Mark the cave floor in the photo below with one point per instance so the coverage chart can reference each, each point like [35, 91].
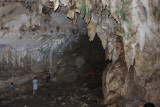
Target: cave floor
[84, 92]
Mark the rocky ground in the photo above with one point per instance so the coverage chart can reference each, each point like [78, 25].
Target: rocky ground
[84, 92]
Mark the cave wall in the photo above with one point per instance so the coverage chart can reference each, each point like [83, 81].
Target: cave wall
[138, 23]
[140, 31]
[34, 38]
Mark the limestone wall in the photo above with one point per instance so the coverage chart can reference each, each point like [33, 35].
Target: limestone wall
[138, 23]
[32, 38]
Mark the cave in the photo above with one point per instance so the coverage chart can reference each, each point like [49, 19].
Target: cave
[79, 53]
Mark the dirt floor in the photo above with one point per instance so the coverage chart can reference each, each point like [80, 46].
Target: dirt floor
[84, 92]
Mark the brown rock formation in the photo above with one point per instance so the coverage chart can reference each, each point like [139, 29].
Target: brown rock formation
[134, 74]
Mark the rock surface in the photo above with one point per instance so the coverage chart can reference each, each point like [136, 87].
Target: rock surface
[32, 40]
[80, 93]
[137, 22]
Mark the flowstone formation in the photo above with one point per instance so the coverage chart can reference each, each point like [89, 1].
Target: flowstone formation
[34, 38]
[129, 31]
[138, 23]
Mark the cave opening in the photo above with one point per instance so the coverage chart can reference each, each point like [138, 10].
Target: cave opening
[99, 63]
[38, 37]
[95, 62]
[36, 40]
[71, 88]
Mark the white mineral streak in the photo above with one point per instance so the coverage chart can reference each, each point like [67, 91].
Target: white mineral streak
[13, 57]
[51, 56]
[64, 2]
[136, 21]
[40, 8]
[134, 52]
[104, 2]
[54, 46]
[56, 4]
